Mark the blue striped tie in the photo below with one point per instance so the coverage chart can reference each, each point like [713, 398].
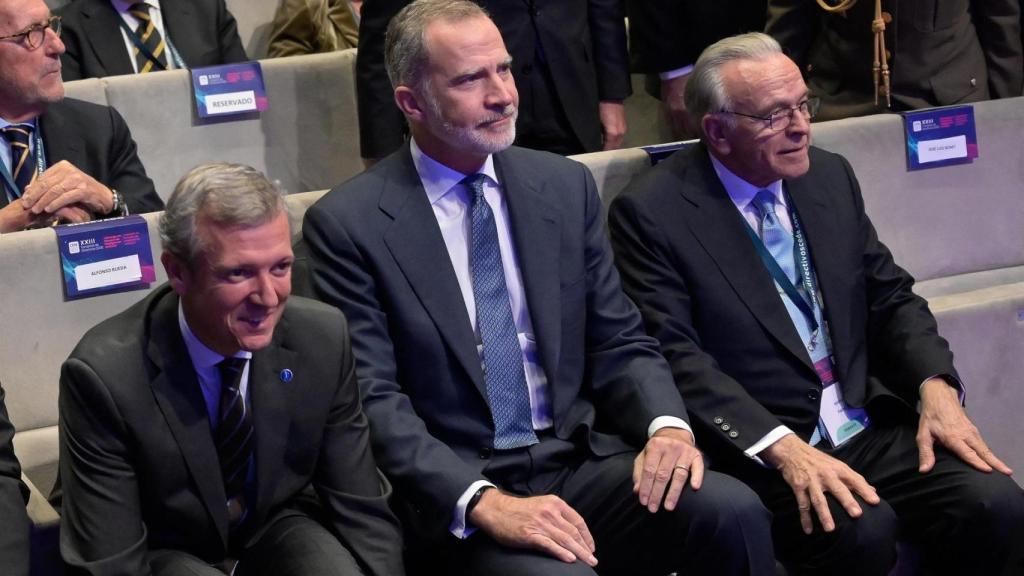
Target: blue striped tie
[507, 392]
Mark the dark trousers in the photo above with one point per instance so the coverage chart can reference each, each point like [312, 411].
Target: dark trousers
[721, 529]
[961, 520]
[293, 545]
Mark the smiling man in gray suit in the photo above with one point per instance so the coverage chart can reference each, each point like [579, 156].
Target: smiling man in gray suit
[528, 423]
[216, 425]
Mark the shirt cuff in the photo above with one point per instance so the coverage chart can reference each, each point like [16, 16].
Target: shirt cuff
[673, 74]
[669, 422]
[459, 526]
[951, 380]
[770, 438]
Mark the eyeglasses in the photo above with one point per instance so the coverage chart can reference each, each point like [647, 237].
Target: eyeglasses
[33, 35]
[779, 119]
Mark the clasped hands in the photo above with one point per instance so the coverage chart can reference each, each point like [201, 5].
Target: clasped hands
[547, 523]
[811, 473]
[62, 193]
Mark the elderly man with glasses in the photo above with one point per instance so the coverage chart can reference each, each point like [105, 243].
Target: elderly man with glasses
[810, 369]
[61, 160]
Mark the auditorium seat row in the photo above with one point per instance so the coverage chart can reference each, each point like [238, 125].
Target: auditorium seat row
[957, 229]
[307, 138]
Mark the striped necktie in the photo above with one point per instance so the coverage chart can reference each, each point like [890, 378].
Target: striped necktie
[504, 375]
[23, 166]
[234, 437]
[150, 38]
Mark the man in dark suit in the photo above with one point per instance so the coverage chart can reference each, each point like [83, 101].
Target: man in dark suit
[217, 421]
[514, 399]
[569, 60]
[667, 36]
[14, 544]
[62, 160]
[940, 52]
[797, 342]
[103, 37]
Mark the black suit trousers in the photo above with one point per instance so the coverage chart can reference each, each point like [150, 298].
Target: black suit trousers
[720, 529]
[961, 520]
[294, 545]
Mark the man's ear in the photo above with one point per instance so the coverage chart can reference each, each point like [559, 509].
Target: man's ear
[409, 103]
[178, 273]
[715, 129]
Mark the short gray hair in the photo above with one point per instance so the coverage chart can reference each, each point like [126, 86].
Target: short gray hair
[405, 45]
[705, 91]
[226, 194]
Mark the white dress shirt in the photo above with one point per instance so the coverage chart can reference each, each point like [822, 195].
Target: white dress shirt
[451, 201]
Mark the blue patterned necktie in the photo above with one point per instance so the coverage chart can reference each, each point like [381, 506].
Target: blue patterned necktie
[23, 166]
[504, 375]
[776, 239]
[234, 437]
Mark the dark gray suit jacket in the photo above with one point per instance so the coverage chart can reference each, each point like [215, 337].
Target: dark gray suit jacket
[943, 52]
[138, 463]
[14, 544]
[688, 263]
[203, 31]
[378, 254]
[97, 141]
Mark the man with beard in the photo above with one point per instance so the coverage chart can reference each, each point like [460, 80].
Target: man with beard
[528, 424]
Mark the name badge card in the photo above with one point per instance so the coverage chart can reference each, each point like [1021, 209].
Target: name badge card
[105, 256]
[229, 90]
[940, 137]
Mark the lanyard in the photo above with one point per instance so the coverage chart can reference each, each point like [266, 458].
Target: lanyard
[40, 153]
[146, 51]
[803, 258]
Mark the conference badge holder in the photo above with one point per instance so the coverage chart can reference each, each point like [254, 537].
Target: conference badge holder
[940, 137]
[229, 90]
[105, 256]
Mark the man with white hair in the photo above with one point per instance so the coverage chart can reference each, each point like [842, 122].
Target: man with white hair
[797, 342]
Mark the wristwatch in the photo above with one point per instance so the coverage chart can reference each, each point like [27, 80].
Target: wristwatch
[475, 499]
[119, 208]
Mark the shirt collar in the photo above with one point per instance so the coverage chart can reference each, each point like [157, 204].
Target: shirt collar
[739, 190]
[32, 122]
[439, 179]
[202, 357]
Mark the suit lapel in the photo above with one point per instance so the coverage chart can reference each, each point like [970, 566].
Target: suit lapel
[59, 142]
[535, 231]
[270, 399]
[415, 242]
[719, 228]
[820, 226]
[180, 398]
[103, 29]
[177, 20]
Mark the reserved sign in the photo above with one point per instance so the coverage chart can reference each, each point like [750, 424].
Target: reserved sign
[105, 256]
[940, 137]
[229, 90]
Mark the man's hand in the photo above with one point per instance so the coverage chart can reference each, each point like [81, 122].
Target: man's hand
[613, 123]
[544, 523]
[811, 473]
[667, 460]
[674, 107]
[943, 419]
[64, 185]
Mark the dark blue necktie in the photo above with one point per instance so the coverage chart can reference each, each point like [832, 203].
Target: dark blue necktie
[23, 166]
[507, 392]
[234, 437]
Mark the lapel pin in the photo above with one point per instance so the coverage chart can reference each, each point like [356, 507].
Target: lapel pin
[286, 375]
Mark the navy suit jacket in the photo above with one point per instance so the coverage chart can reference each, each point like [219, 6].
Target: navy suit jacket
[707, 297]
[378, 254]
[96, 140]
[203, 31]
[139, 466]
